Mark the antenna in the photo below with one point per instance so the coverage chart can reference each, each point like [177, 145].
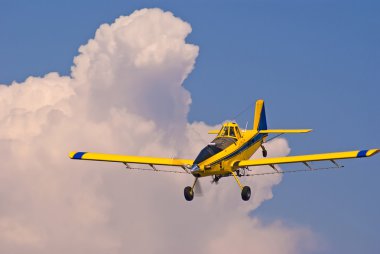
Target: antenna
[246, 125]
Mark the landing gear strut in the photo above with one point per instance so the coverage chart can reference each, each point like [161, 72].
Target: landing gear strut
[245, 190]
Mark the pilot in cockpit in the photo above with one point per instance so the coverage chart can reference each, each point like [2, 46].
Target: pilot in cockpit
[225, 132]
[232, 132]
[228, 131]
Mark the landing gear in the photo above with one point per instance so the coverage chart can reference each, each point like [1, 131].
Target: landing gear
[189, 193]
[246, 193]
[265, 152]
[245, 190]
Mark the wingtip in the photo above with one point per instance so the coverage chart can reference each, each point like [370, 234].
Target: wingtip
[77, 155]
[372, 152]
[367, 153]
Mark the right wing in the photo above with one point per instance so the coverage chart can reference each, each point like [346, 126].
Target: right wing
[151, 161]
[306, 158]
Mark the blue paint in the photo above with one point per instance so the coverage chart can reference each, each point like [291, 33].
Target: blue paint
[78, 155]
[263, 120]
[362, 153]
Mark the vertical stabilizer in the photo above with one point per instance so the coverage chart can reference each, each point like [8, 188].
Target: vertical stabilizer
[260, 120]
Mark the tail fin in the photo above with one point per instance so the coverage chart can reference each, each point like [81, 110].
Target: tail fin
[260, 120]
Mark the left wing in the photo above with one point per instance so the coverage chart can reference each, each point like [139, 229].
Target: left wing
[306, 158]
[183, 163]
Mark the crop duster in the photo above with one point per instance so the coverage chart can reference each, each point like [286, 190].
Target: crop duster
[228, 154]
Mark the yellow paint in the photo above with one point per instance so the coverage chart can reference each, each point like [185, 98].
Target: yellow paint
[234, 156]
[258, 109]
[216, 165]
[237, 180]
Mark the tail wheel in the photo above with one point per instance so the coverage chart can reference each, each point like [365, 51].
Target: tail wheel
[246, 193]
[189, 193]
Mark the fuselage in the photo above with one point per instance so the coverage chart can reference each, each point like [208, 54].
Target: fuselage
[230, 145]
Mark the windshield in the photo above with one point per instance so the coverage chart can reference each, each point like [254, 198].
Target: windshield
[206, 153]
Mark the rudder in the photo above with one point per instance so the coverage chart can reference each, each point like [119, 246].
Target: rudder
[260, 120]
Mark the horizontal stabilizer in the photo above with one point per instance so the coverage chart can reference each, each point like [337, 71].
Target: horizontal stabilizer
[285, 131]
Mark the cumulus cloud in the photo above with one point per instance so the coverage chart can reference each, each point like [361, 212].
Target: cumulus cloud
[124, 95]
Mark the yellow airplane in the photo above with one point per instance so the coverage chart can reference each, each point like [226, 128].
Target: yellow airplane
[228, 154]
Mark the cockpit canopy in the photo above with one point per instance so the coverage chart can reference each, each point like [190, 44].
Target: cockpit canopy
[230, 130]
[227, 136]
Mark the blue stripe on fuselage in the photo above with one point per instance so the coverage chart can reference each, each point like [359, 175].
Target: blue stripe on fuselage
[247, 145]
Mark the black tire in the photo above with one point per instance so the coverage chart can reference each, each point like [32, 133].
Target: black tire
[265, 153]
[189, 193]
[246, 193]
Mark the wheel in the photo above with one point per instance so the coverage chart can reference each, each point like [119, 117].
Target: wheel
[189, 193]
[265, 153]
[246, 193]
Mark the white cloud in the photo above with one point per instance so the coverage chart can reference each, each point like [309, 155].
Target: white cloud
[124, 95]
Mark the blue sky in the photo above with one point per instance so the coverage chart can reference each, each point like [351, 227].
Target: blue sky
[316, 64]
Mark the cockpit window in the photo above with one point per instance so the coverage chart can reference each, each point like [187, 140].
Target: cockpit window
[232, 132]
[229, 131]
[237, 131]
[225, 131]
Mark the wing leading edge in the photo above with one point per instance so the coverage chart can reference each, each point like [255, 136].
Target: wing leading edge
[130, 159]
[307, 158]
